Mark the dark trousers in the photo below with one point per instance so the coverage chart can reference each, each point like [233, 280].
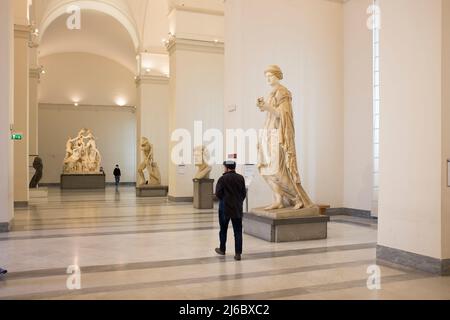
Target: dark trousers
[117, 180]
[224, 221]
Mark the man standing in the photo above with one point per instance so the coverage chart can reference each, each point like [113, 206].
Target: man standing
[231, 192]
[117, 175]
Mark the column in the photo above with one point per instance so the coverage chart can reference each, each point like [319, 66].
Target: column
[34, 78]
[413, 227]
[153, 119]
[6, 112]
[196, 56]
[21, 111]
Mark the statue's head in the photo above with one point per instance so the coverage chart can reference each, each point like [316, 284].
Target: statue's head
[201, 155]
[273, 74]
[145, 142]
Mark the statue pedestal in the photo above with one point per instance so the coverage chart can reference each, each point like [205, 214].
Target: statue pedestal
[286, 225]
[36, 193]
[203, 194]
[83, 181]
[149, 191]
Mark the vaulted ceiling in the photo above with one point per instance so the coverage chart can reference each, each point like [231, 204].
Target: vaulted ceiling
[117, 29]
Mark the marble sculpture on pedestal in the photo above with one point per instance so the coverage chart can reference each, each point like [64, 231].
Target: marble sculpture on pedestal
[154, 176]
[277, 158]
[201, 155]
[82, 155]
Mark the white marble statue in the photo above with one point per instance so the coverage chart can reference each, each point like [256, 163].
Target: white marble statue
[201, 155]
[277, 158]
[154, 176]
[82, 155]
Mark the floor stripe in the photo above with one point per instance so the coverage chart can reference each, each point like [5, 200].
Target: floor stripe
[188, 281]
[104, 226]
[186, 262]
[285, 293]
[99, 217]
[99, 234]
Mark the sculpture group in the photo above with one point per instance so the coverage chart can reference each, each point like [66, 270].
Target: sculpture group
[82, 155]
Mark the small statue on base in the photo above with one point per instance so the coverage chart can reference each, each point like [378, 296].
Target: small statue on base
[154, 176]
[38, 166]
[201, 155]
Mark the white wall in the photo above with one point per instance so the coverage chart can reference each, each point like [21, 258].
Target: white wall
[305, 38]
[91, 79]
[113, 127]
[411, 131]
[358, 109]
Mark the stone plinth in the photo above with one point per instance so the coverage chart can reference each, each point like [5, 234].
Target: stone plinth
[286, 225]
[149, 191]
[203, 193]
[83, 181]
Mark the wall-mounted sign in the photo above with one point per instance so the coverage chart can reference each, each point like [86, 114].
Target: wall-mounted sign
[249, 173]
[16, 136]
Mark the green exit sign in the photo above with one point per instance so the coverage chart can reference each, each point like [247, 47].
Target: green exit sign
[17, 136]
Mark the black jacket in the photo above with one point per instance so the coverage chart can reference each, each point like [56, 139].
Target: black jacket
[117, 172]
[231, 191]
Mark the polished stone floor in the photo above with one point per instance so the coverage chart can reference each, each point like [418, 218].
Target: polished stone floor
[130, 248]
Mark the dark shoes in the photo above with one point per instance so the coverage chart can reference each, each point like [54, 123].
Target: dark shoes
[3, 271]
[220, 252]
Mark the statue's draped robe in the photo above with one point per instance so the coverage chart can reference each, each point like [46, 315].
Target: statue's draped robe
[277, 154]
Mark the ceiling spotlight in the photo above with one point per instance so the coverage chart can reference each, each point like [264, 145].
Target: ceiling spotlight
[148, 70]
[216, 40]
[76, 104]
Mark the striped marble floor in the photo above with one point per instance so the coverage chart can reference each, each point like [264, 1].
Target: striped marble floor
[130, 248]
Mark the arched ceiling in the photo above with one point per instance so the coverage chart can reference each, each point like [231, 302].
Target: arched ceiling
[117, 29]
[145, 20]
[100, 34]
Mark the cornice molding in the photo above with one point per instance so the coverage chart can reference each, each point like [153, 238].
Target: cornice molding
[195, 45]
[151, 79]
[197, 10]
[22, 31]
[85, 107]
